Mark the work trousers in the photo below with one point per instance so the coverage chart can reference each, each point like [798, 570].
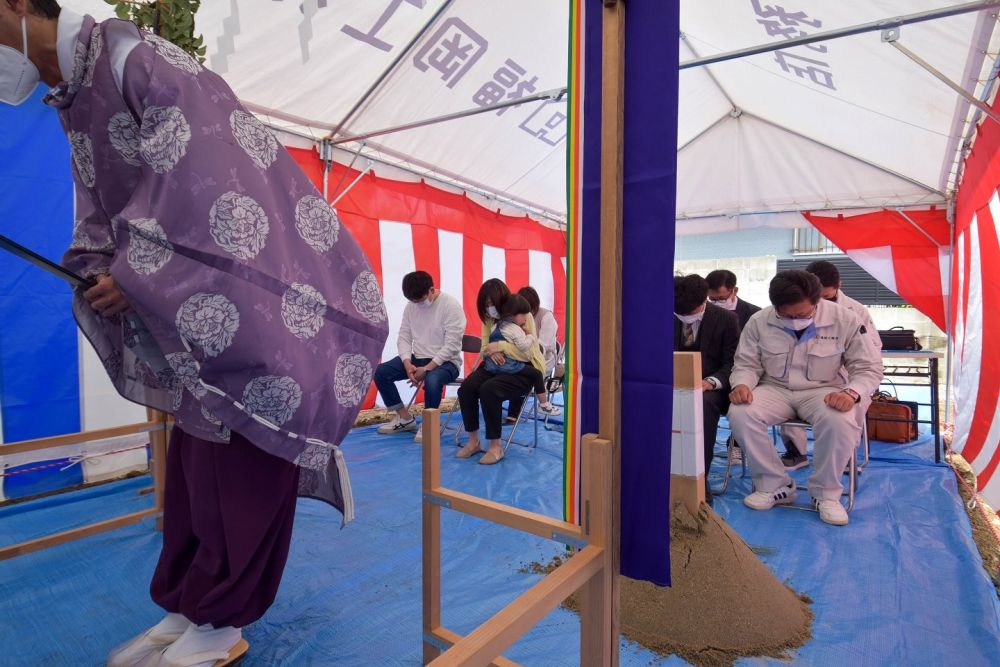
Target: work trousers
[227, 526]
[835, 435]
[491, 391]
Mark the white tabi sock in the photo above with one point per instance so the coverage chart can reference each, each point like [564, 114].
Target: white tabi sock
[171, 624]
[202, 639]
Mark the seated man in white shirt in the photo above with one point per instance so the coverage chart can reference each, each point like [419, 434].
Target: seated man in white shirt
[430, 350]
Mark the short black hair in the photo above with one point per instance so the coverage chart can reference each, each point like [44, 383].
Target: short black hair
[416, 285]
[721, 278]
[794, 286]
[827, 272]
[493, 292]
[534, 302]
[46, 8]
[514, 304]
[690, 291]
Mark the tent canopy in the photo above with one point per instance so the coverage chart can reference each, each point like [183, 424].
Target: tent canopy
[839, 125]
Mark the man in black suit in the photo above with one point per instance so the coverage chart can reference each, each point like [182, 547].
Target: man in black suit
[702, 327]
[722, 292]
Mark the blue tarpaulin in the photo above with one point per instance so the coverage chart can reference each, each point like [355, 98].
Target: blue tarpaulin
[902, 584]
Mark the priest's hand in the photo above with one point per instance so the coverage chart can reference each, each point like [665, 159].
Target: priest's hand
[106, 298]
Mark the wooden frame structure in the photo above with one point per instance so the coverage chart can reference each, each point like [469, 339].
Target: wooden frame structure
[156, 425]
[587, 569]
[594, 568]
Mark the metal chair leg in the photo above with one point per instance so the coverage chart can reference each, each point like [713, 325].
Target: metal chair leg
[730, 441]
[517, 422]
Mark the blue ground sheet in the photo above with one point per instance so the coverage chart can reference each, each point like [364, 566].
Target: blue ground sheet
[902, 584]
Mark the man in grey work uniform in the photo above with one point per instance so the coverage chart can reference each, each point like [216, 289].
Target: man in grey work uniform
[794, 437]
[810, 359]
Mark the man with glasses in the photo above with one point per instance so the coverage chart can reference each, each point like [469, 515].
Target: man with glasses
[722, 292]
[794, 437]
[802, 358]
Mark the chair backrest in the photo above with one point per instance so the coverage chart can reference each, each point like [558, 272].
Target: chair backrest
[472, 344]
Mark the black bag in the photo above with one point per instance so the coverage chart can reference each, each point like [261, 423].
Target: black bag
[898, 338]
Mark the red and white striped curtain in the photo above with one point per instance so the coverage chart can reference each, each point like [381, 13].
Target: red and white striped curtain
[406, 226]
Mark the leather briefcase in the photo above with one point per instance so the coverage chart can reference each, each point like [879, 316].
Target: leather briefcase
[898, 338]
[890, 420]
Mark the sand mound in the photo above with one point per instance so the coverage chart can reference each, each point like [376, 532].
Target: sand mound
[724, 602]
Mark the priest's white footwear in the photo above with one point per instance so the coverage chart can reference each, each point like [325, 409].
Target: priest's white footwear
[146, 647]
[205, 646]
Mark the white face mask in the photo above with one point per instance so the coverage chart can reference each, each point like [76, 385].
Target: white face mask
[426, 303]
[690, 319]
[18, 75]
[728, 304]
[800, 324]
[492, 312]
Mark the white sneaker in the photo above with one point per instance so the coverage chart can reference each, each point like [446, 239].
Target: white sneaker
[765, 500]
[149, 644]
[550, 409]
[398, 426]
[831, 512]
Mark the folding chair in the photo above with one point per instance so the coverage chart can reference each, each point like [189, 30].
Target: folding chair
[730, 450]
[554, 384]
[852, 471]
[470, 345]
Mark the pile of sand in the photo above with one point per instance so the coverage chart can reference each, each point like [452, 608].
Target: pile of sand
[724, 602]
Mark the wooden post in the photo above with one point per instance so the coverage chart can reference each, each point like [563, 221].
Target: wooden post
[687, 457]
[158, 460]
[598, 602]
[612, 198]
[431, 530]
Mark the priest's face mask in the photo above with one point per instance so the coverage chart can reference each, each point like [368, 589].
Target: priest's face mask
[18, 75]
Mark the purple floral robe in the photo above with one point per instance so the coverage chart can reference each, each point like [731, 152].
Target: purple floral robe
[254, 310]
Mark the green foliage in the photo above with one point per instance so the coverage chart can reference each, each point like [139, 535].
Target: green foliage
[171, 19]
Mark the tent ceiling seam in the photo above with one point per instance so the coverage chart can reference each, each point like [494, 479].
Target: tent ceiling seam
[886, 170]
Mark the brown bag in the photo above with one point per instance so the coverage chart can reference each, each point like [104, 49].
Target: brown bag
[882, 415]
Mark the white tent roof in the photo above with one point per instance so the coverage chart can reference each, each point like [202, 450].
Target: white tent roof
[849, 123]
[856, 125]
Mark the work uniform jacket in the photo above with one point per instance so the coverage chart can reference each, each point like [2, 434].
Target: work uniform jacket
[863, 314]
[834, 352]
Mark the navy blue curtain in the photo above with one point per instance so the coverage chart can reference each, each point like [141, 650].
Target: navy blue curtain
[651, 60]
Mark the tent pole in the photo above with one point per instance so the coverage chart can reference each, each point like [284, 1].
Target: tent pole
[949, 314]
[350, 185]
[874, 26]
[918, 227]
[554, 94]
[799, 209]
[893, 40]
[389, 69]
[329, 164]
